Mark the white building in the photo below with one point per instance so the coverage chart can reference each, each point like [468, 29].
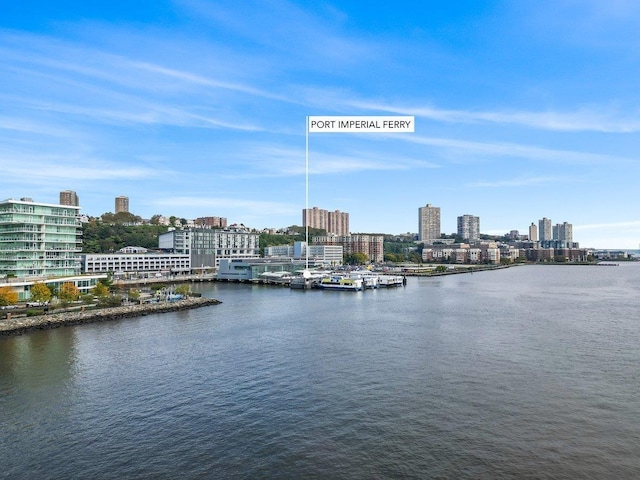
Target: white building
[39, 239]
[207, 246]
[174, 263]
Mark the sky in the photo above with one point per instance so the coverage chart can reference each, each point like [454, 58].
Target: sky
[523, 109]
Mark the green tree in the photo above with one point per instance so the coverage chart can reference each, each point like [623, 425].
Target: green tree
[110, 301]
[183, 289]
[357, 258]
[40, 292]
[392, 257]
[8, 296]
[441, 268]
[134, 295]
[100, 290]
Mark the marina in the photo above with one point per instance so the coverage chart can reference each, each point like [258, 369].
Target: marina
[332, 280]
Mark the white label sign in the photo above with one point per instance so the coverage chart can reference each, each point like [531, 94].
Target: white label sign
[361, 124]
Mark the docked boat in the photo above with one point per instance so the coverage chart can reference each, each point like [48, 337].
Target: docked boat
[391, 280]
[370, 279]
[306, 279]
[342, 282]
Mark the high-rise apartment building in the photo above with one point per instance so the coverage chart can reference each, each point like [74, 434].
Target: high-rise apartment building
[469, 227]
[69, 197]
[533, 232]
[428, 223]
[563, 232]
[39, 239]
[122, 204]
[544, 229]
[336, 222]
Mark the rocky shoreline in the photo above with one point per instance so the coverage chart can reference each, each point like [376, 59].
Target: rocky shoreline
[21, 325]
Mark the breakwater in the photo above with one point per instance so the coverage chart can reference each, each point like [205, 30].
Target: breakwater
[18, 326]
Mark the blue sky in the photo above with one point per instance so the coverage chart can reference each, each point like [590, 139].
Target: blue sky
[524, 109]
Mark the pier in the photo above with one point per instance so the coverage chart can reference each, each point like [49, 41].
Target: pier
[20, 325]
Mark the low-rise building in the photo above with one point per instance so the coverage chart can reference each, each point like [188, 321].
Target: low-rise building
[207, 246]
[173, 263]
[244, 270]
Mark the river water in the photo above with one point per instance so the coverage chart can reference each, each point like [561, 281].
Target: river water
[528, 372]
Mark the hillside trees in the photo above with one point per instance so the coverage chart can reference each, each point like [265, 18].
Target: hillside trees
[105, 238]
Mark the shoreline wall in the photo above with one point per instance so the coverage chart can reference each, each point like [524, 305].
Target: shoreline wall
[21, 325]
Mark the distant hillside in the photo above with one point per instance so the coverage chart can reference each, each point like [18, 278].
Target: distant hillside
[104, 238]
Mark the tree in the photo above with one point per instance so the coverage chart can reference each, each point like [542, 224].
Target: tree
[183, 289]
[357, 258]
[40, 293]
[8, 296]
[110, 301]
[100, 290]
[68, 292]
[134, 295]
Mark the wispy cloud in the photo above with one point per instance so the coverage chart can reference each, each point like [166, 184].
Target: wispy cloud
[520, 182]
[49, 168]
[633, 224]
[295, 36]
[515, 150]
[283, 161]
[583, 119]
[222, 204]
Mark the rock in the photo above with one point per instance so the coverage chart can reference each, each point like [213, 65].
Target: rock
[18, 326]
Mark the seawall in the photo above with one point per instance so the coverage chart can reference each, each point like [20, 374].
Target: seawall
[18, 326]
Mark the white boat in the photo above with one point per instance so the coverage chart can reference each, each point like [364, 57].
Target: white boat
[369, 278]
[391, 280]
[306, 279]
[342, 282]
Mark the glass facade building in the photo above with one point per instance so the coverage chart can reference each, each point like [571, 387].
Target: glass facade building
[38, 239]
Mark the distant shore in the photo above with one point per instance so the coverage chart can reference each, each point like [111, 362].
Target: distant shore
[21, 325]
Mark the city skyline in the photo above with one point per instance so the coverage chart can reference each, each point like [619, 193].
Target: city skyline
[197, 108]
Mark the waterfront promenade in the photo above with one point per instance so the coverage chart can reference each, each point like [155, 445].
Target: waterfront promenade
[20, 325]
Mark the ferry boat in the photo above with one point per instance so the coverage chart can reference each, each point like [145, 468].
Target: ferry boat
[342, 282]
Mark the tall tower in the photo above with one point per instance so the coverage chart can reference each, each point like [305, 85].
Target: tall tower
[69, 198]
[533, 232]
[336, 222]
[122, 204]
[428, 223]
[545, 231]
[469, 227]
[563, 232]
